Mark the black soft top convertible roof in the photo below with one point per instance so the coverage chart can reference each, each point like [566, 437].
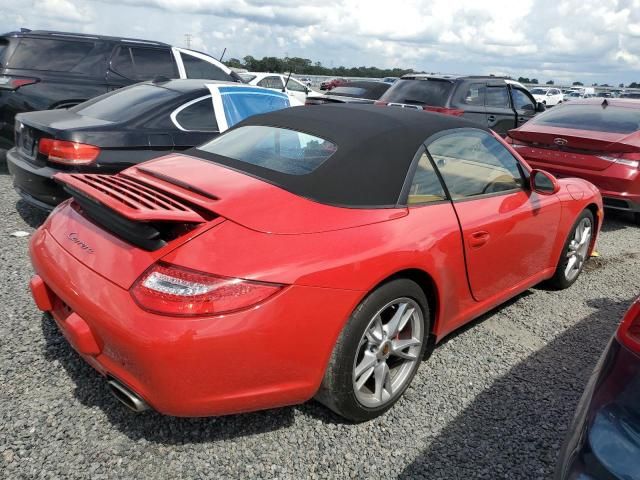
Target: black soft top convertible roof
[376, 145]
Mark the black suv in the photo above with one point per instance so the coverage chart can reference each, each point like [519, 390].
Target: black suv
[42, 70]
[498, 103]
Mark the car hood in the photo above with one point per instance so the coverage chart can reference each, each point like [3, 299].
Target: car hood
[254, 203]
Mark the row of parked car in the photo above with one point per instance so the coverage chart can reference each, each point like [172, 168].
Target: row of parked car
[294, 183]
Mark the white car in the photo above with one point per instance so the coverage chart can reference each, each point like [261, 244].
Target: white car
[296, 90]
[548, 96]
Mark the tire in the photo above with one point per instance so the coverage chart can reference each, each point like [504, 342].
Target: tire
[373, 348]
[565, 275]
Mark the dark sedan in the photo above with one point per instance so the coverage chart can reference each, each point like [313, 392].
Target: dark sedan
[351, 92]
[125, 127]
[603, 442]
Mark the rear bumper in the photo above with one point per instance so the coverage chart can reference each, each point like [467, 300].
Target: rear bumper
[603, 442]
[34, 183]
[271, 355]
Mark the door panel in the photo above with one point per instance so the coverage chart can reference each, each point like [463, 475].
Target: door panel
[500, 115]
[524, 105]
[507, 239]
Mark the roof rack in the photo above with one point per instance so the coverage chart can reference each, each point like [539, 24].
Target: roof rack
[53, 33]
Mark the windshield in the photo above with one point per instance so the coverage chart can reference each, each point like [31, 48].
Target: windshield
[538, 91]
[126, 103]
[594, 117]
[278, 149]
[419, 92]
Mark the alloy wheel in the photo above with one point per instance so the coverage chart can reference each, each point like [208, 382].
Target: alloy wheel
[578, 248]
[388, 352]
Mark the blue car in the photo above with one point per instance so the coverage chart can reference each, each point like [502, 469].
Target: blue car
[603, 442]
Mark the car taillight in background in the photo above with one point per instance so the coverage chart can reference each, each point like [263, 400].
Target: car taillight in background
[629, 330]
[68, 153]
[176, 291]
[13, 83]
[456, 112]
[629, 159]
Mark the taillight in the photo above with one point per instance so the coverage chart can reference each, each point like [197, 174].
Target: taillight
[171, 290]
[456, 112]
[68, 153]
[629, 159]
[629, 330]
[13, 83]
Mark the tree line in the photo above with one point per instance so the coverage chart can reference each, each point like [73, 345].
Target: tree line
[305, 66]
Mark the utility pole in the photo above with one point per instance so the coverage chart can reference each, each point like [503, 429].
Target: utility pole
[187, 39]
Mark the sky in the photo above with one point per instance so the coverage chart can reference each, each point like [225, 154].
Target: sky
[564, 40]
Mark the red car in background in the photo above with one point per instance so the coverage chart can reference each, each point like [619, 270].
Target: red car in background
[594, 139]
[269, 266]
[332, 83]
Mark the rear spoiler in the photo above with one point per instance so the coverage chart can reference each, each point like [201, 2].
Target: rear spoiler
[138, 213]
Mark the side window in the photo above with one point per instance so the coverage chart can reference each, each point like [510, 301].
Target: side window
[473, 162]
[151, 62]
[58, 56]
[143, 63]
[197, 68]
[522, 101]
[295, 86]
[197, 116]
[497, 97]
[425, 187]
[271, 82]
[475, 95]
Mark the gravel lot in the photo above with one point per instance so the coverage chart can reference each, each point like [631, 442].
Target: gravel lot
[492, 402]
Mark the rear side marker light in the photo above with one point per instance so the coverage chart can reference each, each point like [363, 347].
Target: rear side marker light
[175, 291]
[629, 330]
[68, 153]
[13, 83]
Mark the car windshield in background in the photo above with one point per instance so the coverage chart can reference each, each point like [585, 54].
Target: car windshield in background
[594, 117]
[348, 91]
[419, 92]
[246, 77]
[538, 91]
[125, 104]
[278, 149]
[56, 56]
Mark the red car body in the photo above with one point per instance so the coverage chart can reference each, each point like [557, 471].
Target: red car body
[332, 83]
[326, 258]
[591, 139]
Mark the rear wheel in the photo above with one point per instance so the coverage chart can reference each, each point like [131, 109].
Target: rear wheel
[575, 252]
[378, 352]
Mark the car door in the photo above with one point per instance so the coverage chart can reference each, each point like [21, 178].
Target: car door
[472, 102]
[500, 115]
[134, 64]
[523, 103]
[296, 90]
[195, 122]
[507, 229]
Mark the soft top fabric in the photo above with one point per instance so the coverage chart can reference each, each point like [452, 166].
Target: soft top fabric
[376, 145]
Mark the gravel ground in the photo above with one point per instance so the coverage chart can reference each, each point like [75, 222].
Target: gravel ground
[493, 401]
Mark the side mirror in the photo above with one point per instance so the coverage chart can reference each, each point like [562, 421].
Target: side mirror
[543, 182]
[540, 107]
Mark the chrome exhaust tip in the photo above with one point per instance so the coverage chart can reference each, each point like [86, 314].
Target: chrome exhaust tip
[126, 396]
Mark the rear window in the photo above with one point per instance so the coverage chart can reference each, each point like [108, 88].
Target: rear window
[592, 117]
[125, 104]
[348, 91]
[419, 92]
[57, 56]
[3, 47]
[282, 150]
[198, 68]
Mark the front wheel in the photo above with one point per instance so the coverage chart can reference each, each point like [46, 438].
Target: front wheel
[575, 252]
[378, 352]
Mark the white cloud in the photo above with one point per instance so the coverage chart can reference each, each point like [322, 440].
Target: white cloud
[589, 40]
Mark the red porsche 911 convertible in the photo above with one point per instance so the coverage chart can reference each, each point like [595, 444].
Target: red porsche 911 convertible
[309, 252]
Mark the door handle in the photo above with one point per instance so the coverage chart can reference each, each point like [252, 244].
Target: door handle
[491, 118]
[478, 239]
